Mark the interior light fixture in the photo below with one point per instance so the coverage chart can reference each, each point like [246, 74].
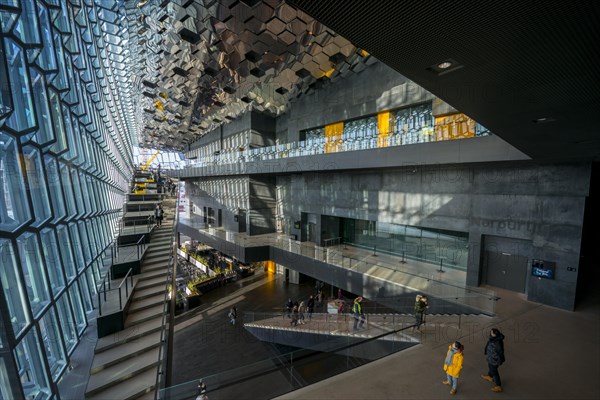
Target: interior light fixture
[543, 120]
[445, 66]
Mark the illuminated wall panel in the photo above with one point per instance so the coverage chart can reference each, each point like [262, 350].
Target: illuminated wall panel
[455, 126]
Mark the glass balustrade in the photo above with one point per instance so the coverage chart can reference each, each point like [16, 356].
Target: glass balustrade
[409, 129]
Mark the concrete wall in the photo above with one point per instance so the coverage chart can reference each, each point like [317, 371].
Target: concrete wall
[543, 204]
[262, 205]
[228, 194]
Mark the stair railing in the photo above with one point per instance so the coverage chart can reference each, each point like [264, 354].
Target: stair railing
[165, 353]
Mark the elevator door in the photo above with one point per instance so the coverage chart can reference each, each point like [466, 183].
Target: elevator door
[505, 270]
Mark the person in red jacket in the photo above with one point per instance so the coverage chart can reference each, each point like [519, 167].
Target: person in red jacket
[453, 364]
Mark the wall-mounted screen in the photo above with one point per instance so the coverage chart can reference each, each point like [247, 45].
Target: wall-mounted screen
[543, 269]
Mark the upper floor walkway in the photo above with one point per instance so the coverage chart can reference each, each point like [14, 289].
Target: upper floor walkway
[386, 277]
[342, 155]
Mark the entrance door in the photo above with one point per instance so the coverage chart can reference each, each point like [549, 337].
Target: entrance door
[505, 270]
[242, 221]
[311, 232]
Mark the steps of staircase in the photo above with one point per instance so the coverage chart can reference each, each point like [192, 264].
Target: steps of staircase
[141, 294]
[126, 374]
[146, 276]
[158, 251]
[161, 266]
[142, 304]
[162, 238]
[151, 282]
[155, 260]
[157, 254]
[144, 315]
[124, 352]
[129, 334]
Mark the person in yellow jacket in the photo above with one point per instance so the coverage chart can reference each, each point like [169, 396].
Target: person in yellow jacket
[453, 364]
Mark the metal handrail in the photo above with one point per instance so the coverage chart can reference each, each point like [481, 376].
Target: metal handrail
[166, 336]
[103, 290]
[128, 274]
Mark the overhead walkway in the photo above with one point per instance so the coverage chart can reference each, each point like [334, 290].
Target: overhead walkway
[125, 363]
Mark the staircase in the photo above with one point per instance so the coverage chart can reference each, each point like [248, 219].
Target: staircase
[125, 363]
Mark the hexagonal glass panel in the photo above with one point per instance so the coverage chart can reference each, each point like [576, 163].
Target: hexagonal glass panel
[37, 185]
[14, 292]
[52, 337]
[78, 311]
[66, 252]
[23, 116]
[67, 323]
[55, 188]
[14, 208]
[28, 356]
[45, 132]
[53, 263]
[33, 272]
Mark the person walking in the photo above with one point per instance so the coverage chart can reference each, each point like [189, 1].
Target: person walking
[452, 365]
[420, 308]
[494, 354]
[157, 215]
[232, 315]
[294, 320]
[288, 307]
[310, 306]
[358, 313]
[161, 213]
[301, 311]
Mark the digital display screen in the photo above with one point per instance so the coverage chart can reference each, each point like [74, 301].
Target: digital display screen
[542, 269]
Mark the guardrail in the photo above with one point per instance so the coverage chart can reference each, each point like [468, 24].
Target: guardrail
[165, 350]
[116, 249]
[103, 291]
[287, 366]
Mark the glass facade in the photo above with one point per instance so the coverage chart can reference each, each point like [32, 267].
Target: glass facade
[65, 163]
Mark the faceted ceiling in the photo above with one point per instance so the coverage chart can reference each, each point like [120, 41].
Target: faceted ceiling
[195, 64]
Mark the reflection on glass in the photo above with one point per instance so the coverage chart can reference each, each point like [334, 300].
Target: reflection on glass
[14, 292]
[45, 132]
[65, 315]
[23, 116]
[423, 244]
[78, 311]
[85, 293]
[68, 190]
[33, 272]
[37, 184]
[76, 245]
[14, 209]
[28, 355]
[55, 188]
[53, 265]
[26, 28]
[52, 337]
[66, 251]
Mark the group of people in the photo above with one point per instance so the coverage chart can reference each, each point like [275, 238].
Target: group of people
[494, 353]
[295, 310]
[170, 187]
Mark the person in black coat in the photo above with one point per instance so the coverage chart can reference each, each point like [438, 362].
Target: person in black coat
[310, 307]
[494, 354]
